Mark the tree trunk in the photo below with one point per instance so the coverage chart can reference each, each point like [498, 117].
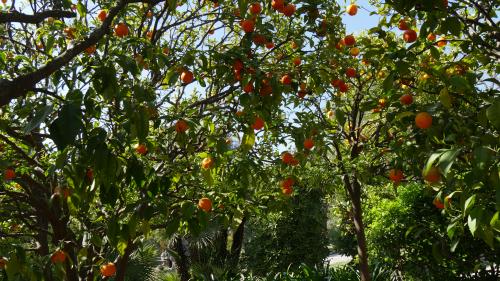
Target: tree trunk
[237, 243]
[181, 262]
[354, 190]
[123, 262]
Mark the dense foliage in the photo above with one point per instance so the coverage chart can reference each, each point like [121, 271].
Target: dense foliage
[123, 120]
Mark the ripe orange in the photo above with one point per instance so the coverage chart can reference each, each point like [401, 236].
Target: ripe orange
[269, 45]
[187, 76]
[303, 86]
[90, 50]
[437, 202]
[141, 149]
[70, 32]
[297, 61]
[381, 103]
[89, 174]
[286, 79]
[248, 88]
[352, 9]
[9, 174]
[278, 4]
[289, 10]
[102, 15]
[433, 175]
[258, 123]
[349, 40]
[287, 183]
[287, 191]
[255, 8]
[403, 25]
[207, 163]
[238, 65]
[121, 30]
[205, 204]
[58, 256]
[396, 175]
[259, 39]
[340, 45]
[108, 270]
[265, 89]
[442, 42]
[354, 51]
[410, 36]
[431, 37]
[181, 126]
[350, 72]
[3, 262]
[237, 75]
[302, 93]
[247, 25]
[343, 87]
[336, 82]
[423, 120]
[406, 99]
[308, 144]
[149, 14]
[287, 158]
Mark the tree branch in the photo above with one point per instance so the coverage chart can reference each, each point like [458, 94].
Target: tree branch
[16, 16]
[21, 85]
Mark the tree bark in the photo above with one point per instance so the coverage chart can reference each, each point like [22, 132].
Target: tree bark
[237, 243]
[181, 263]
[354, 190]
[123, 262]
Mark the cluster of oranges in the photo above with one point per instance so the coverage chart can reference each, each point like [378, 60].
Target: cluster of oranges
[287, 186]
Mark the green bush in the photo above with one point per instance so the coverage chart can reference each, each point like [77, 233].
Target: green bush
[408, 235]
[281, 241]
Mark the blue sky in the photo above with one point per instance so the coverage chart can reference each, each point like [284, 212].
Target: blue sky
[361, 21]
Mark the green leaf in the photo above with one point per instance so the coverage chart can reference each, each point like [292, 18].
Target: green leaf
[493, 113]
[172, 226]
[447, 159]
[431, 160]
[453, 25]
[460, 83]
[389, 82]
[495, 222]
[82, 10]
[472, 223]
[105, 82]
[39, 117]
[248, 140]
[435, 52]
[65, 129]
[469, 203]
[340, 116]
[121, 246]
[172, 4]
[445, 98]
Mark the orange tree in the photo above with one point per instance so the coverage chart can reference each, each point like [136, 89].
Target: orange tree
[462, 144]
[117, 119]
[414, 108]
